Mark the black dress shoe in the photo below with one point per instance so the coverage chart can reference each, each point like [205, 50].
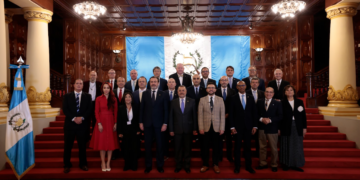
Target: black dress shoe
[297, 169]
[285, 168]
[274, 169]
[66, 170]
[261, 167]
[147, 170]
[250, 170]
[84, 168]
[230, 159]
[134, 169]
[177, 170]
[126, 168]
[237, 170]
[160, 169]
[187, 170]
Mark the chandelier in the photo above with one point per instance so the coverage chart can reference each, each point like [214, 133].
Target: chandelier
[187, 36]
[287, 8]
[89, 9]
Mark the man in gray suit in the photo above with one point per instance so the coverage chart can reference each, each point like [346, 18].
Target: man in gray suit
[182, 124]
[211, 120]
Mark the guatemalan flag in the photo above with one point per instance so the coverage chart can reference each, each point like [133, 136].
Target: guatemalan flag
[19, 143]
[214, 52]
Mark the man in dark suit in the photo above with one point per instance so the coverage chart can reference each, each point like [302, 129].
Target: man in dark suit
[180, 77]
[232, 81]
[112, 80]
[205, 77]
[132, 85]
[244, 119]
[171, 91]
[182, 124]
[226, 93]
[196, 91]
[153, 120]
[120, 90]
[256, 94]
[252, 74]
[270, 113]
[278, 84]
[162, 82]
[77, 109]
[93, 88]
[137, 95]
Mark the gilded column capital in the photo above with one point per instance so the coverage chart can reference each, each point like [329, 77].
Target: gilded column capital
[8, 16]
[342, 10]
[343, 98]
[37, 14]
[4, 98]
[38, 99]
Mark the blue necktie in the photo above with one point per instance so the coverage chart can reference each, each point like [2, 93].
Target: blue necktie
[171, 96]
[224, 94]
[182, 106]
[153, 97]
[77, 103]
[243, 101]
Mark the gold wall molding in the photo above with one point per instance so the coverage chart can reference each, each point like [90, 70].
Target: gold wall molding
[342, 10]
[42, 97]
[37, 14]
[8, 17]
[347, 94]
[4, 94]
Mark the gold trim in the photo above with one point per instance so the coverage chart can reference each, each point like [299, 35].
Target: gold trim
[18, 88]
[347, 94]
[19, 176]
[342, 10]
[4, 94]
[18, 79]
[38, 98]
[37, 14]
[8, 16]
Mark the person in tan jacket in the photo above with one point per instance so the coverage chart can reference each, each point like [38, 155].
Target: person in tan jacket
[211, 122]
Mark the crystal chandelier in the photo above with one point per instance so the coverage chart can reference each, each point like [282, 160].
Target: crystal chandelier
[187, 36]
[89, 9]
[287, 8]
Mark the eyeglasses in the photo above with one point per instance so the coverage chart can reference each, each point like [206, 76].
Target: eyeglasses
[205, 71]
[241, 85]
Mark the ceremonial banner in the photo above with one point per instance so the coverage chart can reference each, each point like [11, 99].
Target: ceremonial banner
[19, 143]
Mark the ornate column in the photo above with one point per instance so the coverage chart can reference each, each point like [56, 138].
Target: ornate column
[37, 56]
[342, 94]
[8, 19]
[4, 94]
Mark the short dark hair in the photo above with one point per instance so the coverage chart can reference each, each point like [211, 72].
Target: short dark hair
[204, 68]
[182, 86]
[211, 83]
[78, 79]
[128, 93]
[157, 67]
[143, 77]
[256, 79]
[230, 67]
[155, 78]
[286, 88]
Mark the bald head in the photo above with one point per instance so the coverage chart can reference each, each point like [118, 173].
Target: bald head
[278, 74]
[196, 80]
[180, 68]
[133, 74]
[224, 81]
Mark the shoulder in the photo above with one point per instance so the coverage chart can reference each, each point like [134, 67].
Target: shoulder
[236, 79]
[190, 99]
[190, 87]
[99, 83]
[299, 101]
[246, 78]
[271, 82]
[172, 75]
[187, 75]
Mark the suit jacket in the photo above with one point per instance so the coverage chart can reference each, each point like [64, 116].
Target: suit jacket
[162, 86]
[274, 112]
[128, 85]
[278, 92]
[202, 84]
[97, 85]
[289, 113]
[154, 114]
[69, 109]
[260, 94]
[122, 120]
[122, 98]
[248, 85]
[186, 80]
[243, 118]
[229, 94]
[182, 122]
[115, 83]
[206, 117]
[235, 80]
[190, 92]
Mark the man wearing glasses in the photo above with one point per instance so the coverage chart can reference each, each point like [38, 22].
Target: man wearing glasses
[252, 74]
[112, 79]
[205, 80]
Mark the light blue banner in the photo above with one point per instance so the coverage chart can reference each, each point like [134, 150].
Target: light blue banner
[143, 54]
[230, 51]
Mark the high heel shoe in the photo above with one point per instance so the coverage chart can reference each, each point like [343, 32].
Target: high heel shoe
[103, 169]
[108, 169]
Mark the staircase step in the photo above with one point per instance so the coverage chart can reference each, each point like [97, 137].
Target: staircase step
[57, 124]
[325, 136]
[53, 130]
[322, 129]
[312, 110]
[314, 116]
[318, 123]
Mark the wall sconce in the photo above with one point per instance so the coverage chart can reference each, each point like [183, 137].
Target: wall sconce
[258, 53]
[117, 58]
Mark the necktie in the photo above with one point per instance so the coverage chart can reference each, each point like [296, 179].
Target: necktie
[278, 85]
[266, 104]
[196, 92]
[182, 106]
[255, 96]
[224, 94]
[230, 82]
[153, 97]
[171, 96]
[111, 84]
[133, 86]
[211, 104]
[77, 103]
[120, 95]
[243, 100]
[205, 82]
[140, 95]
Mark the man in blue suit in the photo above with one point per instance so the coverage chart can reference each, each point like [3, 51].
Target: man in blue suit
[162, 82]
[153, 120]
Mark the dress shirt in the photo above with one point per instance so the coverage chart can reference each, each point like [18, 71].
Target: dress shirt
[213, 98]
[173, 91]
[292, 105]
[254, 92]
[205, 81]
[79, 102]
[112, 82]
[180, 99]
[267, 107]
[140, 93]
[130, 115]
[133, 83]
[122, 91]
[241, 99]
[230, 81]
[222, 90]
[278, 83]
[155, 93]
[92, 90]
[198, 89]
[181, 77]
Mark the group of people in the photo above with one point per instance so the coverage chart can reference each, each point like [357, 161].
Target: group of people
[184, 109]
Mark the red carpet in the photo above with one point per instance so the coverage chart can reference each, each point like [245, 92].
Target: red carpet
[327, 152]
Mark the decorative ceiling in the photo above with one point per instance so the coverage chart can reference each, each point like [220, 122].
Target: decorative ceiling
[164, 14]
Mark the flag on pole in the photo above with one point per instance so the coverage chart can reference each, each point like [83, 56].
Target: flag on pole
[19, 143]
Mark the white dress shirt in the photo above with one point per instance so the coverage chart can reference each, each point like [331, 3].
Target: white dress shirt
[205, 81]
[213, 98]
[267, 107]
[92, 90]
[181, 78]
[198, 89]
[292, 105]
[255, 94]
[112, 82]
[79, 101]
[141, 92]
[130, 116]
[122, 91]
[133, 84]
[241, 99]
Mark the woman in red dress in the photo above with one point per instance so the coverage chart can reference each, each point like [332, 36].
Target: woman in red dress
[104, 136]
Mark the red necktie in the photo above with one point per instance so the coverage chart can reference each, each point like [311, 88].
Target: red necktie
[120, 95]
[111, 83]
